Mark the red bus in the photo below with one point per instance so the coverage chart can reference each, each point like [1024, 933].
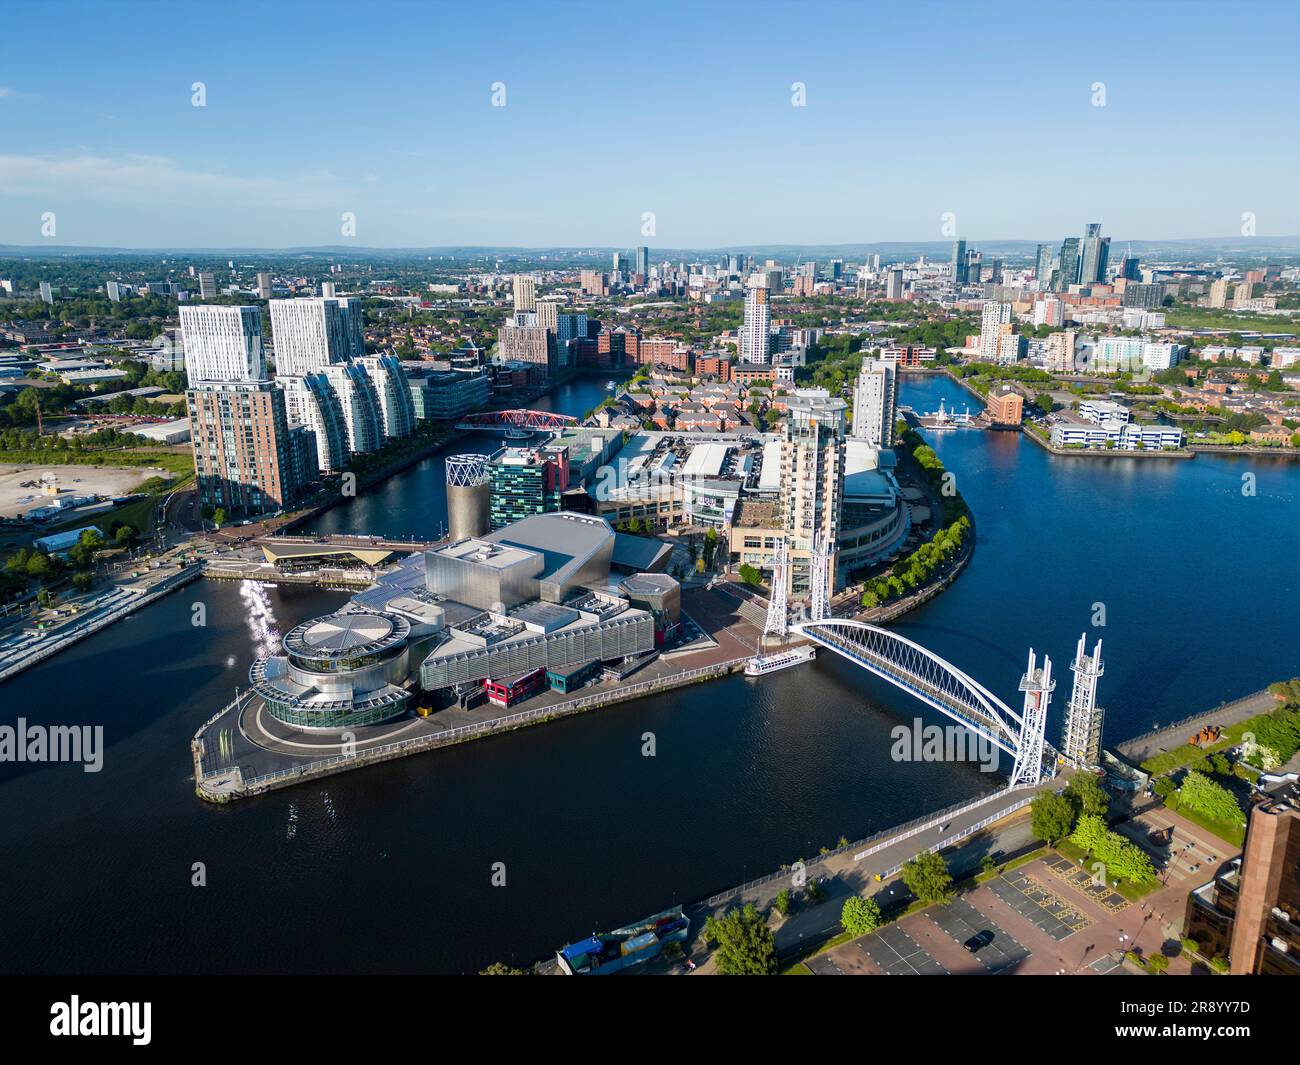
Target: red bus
[509, 692]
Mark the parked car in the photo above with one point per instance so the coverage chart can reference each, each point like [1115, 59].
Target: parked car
[978, 941]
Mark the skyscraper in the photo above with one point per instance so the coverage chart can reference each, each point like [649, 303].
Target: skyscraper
[643, 261]
[959, 271]
[1219, 293]
[243, 447]
[264, 285]
[1043, 267]
[222, 344]
[875, 402]
[994, 322]
[1067, 272]
[525, 293]
[894, 284]
[756, 330]
[812, 473]
[1096, 252]
[313, 333]
[207, 287]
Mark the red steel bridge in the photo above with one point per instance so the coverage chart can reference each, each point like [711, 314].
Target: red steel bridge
[513, 421]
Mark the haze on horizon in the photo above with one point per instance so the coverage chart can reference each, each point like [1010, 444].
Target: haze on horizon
[991, 116]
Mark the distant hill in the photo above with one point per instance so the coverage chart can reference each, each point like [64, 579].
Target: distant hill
[1185, 249]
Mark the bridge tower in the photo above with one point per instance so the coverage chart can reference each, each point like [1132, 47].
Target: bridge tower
[1037, 684]
[1083, 717]
[819, 608]
[778, 614]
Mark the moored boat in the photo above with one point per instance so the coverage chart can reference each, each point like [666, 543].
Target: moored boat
[761, 665]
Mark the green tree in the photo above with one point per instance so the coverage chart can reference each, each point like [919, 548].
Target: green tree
[860, 916]
[744, 944]
[927, 877]
[82, 580]
[1087, 796]
[1212, 799]
[219, 517]
[783, 902]
[750, 575]
[88, 545]
[39, 566]
[1051, 817]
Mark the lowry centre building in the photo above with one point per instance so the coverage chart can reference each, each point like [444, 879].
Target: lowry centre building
[552, 591]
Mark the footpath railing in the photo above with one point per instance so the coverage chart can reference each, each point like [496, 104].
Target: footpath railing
[920, 824]
[1222, 708]
[889, 836]
[199, 745]
[432, 741]
[969, 830]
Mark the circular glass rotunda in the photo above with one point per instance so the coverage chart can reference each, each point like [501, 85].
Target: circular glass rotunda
[339, 671]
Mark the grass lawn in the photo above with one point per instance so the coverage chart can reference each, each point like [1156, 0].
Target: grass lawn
[177, 463]
[1006, 867]
[1230, 833]
[1167, 761]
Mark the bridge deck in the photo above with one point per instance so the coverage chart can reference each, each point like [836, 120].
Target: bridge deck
[916, 684]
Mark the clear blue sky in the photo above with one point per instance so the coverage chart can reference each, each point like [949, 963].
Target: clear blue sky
[913, 110]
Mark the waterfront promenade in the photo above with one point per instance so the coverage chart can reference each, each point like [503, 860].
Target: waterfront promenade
[1159, 740]
[24, 647]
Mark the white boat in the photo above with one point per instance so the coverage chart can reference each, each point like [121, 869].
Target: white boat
[761, 665]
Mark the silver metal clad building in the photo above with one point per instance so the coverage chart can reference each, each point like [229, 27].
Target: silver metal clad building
[483, 574]
[468, 496]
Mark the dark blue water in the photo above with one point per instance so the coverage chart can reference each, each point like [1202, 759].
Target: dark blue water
[388, 869]
[1194, 575]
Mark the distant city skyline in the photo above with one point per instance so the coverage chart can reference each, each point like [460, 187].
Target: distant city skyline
[732, 126]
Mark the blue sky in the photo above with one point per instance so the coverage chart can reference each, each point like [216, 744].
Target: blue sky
[683, 110]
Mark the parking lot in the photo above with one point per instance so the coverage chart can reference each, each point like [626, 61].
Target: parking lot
[1048, 916]
[963, 922]
[898, 954]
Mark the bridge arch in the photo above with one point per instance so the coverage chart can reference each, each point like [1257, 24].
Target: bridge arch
[923, 674]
